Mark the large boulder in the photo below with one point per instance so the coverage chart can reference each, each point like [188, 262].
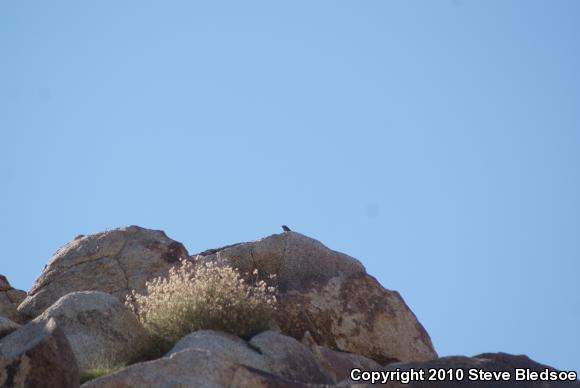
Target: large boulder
[37, 355]
[101, 331]
[270, 352]
[192, 368]
[449, 368]
[116, 262]
[330, 295]
[10, 298]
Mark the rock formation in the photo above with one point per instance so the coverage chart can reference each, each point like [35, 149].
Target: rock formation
[330, 295]
[115, 262]
[332, 318]
[10, 298]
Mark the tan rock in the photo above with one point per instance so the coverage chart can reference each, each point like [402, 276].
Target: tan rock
[330, 295]
[191, 368]
[37, 355]
[16, 296]
[115, 262]
[10, 298]
[4, 285]
[101, 331]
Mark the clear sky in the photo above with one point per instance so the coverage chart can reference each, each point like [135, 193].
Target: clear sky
[436, 141]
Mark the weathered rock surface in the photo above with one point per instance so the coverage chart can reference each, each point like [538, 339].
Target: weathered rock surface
[288, 358]
[116, 262]
[337, 365]
[224, 344]
[7, 326]
[37, 355]
[4, 284]
[270, 352]
[486, 362]
[10, 298]
[101, 331]
[191, 368]
[330, 295]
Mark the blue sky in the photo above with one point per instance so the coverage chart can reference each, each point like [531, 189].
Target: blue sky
[437, 142]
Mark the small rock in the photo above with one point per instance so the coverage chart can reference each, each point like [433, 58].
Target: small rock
[10, 298]
[4, 285]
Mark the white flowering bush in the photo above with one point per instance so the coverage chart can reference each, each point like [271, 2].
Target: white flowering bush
[203, 296]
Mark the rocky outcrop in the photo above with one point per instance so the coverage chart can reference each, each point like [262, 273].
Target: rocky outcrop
[487, 362]
[116, 262]
[101, 331]
[10, 298]
[330, 295]
[324, 292]
[332, 317]
[37, 355]
[191, 368]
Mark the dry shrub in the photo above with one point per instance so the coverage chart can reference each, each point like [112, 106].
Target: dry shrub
[202, 296]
